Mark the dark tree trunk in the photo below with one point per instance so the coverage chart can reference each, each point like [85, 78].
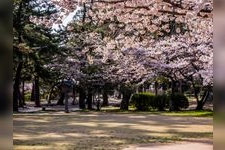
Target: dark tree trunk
[37, 92]
[144, 89]
[171, 101]
[66, 103]
[89, 100]
[124, 104]
[98, 105]
[94, 101]
[16, 87]
[119, 95]
[61, 99]
[181, 85]
[20, 99]
[201, 103]
[125, 101]
[21, 96]
[140, 89]
[126, 98]
[23, 93]
[82, 97]
[74, 95]
[33, 92]
[196, 94]
[105, 98]
[156, 87]
[171, 104]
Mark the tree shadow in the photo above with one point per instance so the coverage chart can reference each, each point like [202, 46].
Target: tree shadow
[98, 130]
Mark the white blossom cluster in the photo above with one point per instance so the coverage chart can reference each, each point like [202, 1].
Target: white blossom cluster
[137, 47]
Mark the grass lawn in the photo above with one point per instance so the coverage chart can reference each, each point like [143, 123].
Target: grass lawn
[107, 130]
[187, 113]
[190, 113]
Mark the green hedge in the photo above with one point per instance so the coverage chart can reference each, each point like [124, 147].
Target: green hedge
[147, 101]
[161, 102]
[142, 101]
[180, 101]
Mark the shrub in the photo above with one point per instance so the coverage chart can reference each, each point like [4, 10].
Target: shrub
[145, 101]
[142, 101]
[180, 101]
[161, 102]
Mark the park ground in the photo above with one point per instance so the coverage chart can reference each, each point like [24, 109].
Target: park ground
[106, 130]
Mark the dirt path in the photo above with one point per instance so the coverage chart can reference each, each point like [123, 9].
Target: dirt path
[109, 131]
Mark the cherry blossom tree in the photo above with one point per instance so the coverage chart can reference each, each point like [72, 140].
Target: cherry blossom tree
[142, 39]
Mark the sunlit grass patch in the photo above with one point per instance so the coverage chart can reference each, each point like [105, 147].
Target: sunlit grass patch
[190, 113]
[185, 113]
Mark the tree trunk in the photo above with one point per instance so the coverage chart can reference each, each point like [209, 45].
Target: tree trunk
[201, 103]
[66, 103]
[173, 106]
[16, 87]
[119, 95]
[61, 99]
[181, 89]
[21, 96]
[143, 86]
[89, 99]
[20, 99]
[105, 98]
[33, 92]
[156, 87]
[171, 101]
[23, 93]
[82, 97]
[140, 89]
[74, 95]
[37, 92]
[125, 100]
[98, 103]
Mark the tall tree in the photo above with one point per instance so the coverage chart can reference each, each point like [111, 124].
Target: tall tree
[34, 43]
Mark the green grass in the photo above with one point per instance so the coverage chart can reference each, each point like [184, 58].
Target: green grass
[183, 113]
[191, 113]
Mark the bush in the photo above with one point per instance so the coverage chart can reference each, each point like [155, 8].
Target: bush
[180, 101]
[142, 101]
[161, 102]
[145, 101]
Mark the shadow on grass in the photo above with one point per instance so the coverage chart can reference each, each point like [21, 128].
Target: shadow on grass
[104, 130]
